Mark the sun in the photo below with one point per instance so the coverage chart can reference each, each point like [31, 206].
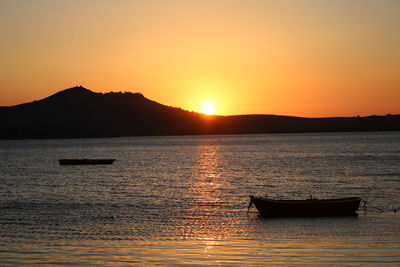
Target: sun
[208, 108]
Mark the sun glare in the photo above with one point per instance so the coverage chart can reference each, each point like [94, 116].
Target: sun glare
[208, 108]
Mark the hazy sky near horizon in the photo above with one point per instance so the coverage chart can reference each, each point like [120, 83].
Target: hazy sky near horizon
[310, 58]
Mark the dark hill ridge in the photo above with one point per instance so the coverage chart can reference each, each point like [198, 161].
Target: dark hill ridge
[79, 112]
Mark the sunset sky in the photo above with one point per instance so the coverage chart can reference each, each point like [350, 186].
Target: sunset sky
[303, 58]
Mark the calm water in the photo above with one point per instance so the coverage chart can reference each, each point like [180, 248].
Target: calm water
[183, 200]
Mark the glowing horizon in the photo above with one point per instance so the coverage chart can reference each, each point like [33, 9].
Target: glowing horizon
[261, 57]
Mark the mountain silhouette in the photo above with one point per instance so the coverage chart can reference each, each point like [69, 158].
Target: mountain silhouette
[79, 112]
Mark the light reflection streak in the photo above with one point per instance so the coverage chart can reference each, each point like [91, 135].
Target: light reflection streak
[316, 251]
[206, 175]
[209, 245]
[206, 214]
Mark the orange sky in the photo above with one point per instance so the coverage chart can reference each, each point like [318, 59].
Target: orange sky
[302, 58]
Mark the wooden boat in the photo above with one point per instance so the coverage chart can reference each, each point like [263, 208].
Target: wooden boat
[308, 208]
[85, 161]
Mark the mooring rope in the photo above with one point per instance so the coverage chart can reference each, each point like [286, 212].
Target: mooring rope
[251, 202]
[369, 204]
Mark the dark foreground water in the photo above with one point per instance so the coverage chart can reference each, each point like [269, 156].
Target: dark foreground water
[183, 200]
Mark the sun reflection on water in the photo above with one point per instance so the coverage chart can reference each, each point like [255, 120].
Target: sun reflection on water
[206, 173]
[206, 213]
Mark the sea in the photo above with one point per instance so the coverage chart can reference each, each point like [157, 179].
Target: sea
[183, 200]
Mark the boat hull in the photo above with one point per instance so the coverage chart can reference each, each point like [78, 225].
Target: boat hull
[85, 161]
[306, 208]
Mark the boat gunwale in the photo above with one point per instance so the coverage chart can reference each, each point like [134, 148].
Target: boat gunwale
[86, 161]
[310, 200]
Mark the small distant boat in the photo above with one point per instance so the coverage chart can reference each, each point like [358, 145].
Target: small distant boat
[85, 161]
[308, 208]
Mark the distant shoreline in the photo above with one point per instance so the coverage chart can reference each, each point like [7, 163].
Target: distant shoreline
[198, 135]
[80, 113]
